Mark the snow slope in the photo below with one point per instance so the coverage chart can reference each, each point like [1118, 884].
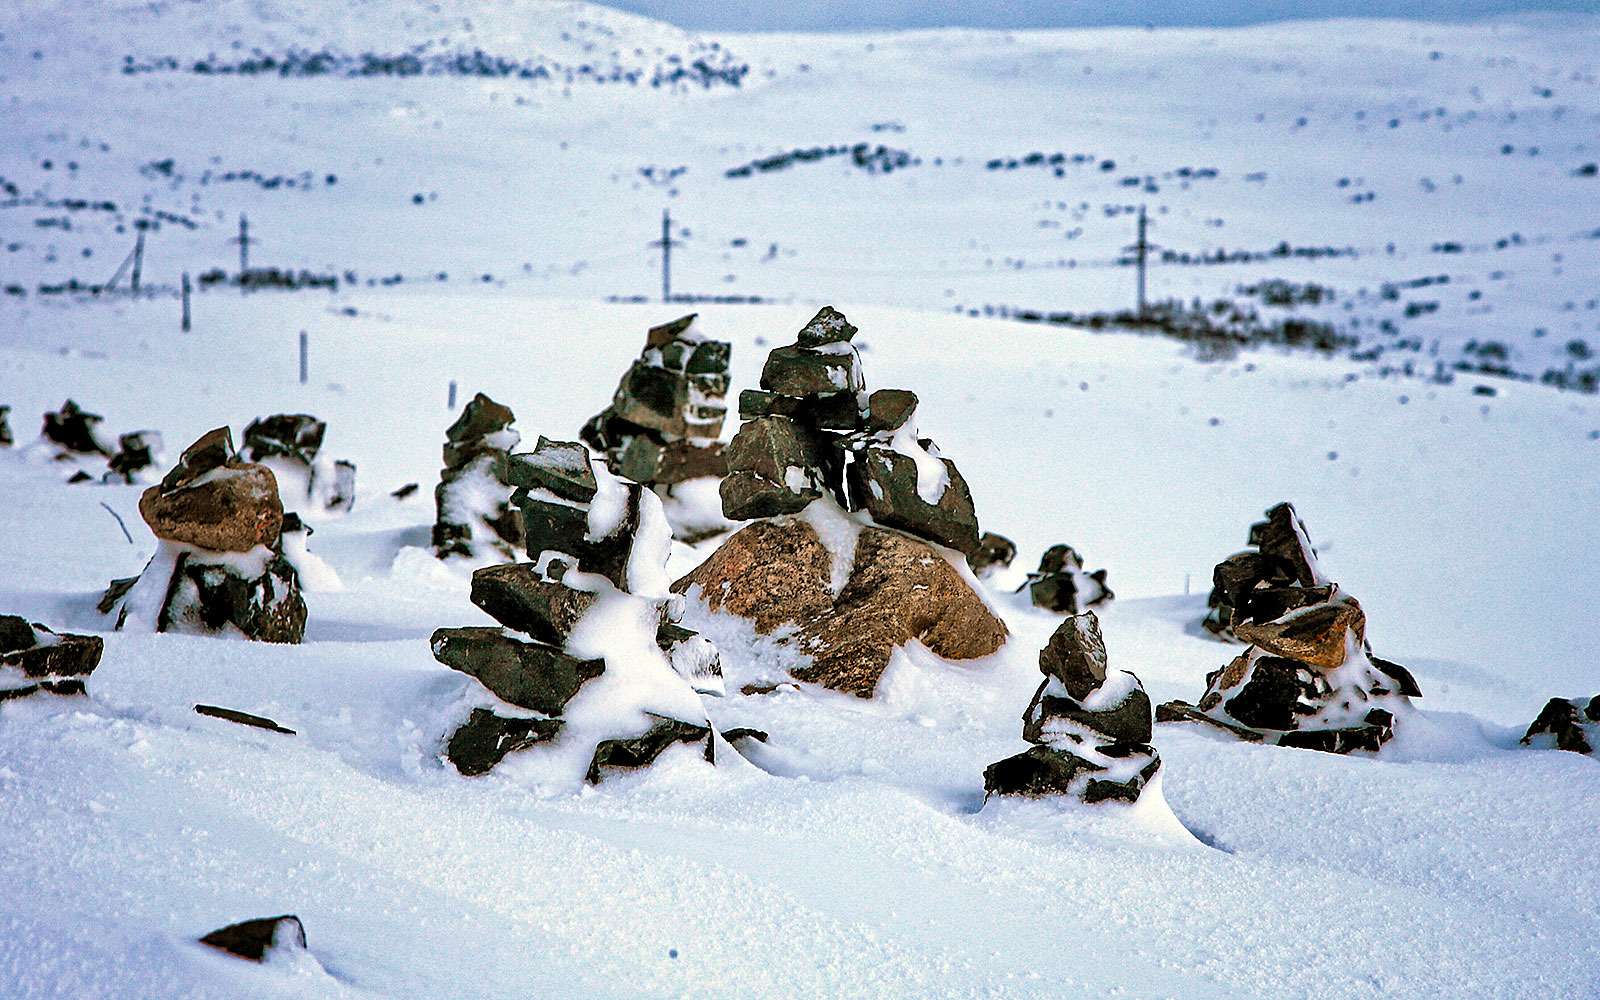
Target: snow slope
[853, 859]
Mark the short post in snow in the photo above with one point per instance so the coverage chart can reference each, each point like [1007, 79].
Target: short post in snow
[304, 362]
[451, 404]
[138, 260]
[185, 293]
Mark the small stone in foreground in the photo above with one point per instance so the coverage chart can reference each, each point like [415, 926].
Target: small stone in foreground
[252, 939]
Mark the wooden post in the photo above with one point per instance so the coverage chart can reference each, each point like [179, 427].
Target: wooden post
[186, 302]
[1144, 249]
[665, 243]
[451, 405]
[138, 259]
[304, 361]
[244, 245]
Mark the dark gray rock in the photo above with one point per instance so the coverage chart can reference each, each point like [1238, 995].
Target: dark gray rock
[1563, 719]
[209, 597]
[252, 939]
[884, 482]
[295, 436]
[828, 326]
[994, 552]
[638, 751]
[486, 738]
[532, 675]
[562, 467]
[74, 429]
[889, 409]
[6, 440]
[136, 452]
[760, 458]
[1076, 655]
[798, 371]
[39, 652]
[1126, 722]
[516, 596]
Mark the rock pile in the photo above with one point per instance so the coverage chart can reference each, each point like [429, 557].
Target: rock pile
[1309, 678]
[814, 441]
[48, 661]
[75, 431]
[663, 423]
[1567, 724]
[1090, 728]
[475, 518]
[1060, 583]
[599, 669]
[288, 444]
[6, 439]
[993, 554]
[138, 453]
[220, 565]
[75, 436]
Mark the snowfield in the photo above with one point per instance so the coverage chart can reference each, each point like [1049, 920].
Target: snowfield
[853, 855]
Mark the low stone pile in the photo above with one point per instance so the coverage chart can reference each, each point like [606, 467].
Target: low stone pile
[1090, 728]
[220, 566]
[34, 658]
[74, 435]
[475, 518]
[662, 427]
[994, 553]
[1309, 678]
[1061, 584]
[1567, 724]
[598, 663]
[855, 574]
[6, 439]
[289, 445]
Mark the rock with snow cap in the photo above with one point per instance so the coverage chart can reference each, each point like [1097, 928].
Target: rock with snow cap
[1061, 584]
[42, 654]
[6, 440]
[994, 552]
[137, 452]
[75, 430]
[1570, 724]
[256, 939]
[291, 444]
[828, 326]
[472, 499]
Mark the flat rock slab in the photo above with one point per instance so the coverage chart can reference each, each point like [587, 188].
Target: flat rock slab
[252, 939]
[532, 675]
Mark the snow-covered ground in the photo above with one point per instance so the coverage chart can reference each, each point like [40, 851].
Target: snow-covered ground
[854, 859]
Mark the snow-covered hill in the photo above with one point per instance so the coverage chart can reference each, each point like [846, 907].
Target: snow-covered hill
[857, 859]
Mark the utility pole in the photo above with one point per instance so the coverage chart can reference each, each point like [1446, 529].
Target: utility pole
[665, 243]
[186, 302]
[244, 243]
[1141, 256]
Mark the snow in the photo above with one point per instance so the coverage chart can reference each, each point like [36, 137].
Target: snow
[854, 855]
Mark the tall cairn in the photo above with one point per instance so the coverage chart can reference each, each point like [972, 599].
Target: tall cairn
[1308, 678]
[662, 427]
[598, 669]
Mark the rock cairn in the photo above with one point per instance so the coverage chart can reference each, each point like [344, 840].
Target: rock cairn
[74, 435]
[220, 565]
[1309, 678]
[1090, 727]
[598, 666]
[856, 574]
[48, 661]
[289, 445]
[1567, 724]
[1061, 584]
[662, 427]
[993, 554]
[475, 518]
[6, 440]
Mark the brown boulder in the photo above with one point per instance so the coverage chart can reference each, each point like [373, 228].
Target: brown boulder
[900, 589]
[235, 511]
[1315, 635]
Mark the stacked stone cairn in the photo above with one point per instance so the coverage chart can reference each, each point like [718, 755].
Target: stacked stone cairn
[473, 497]
[289, 444]
[590, 658]
[846, 499]
[33, 659]
[220, 566]
[1090, 728]
[1567, 724]
[1062, 585]
[1309, 678]
[662, 427]
[74, 435]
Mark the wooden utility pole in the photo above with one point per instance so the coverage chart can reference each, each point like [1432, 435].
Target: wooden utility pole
[186, 302]
[1141, 258]
[138, 260]
[244, 244]
[665, 243]
[305, 349]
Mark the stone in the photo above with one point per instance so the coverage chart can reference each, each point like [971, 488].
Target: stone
[799, 371]
[1314, 634]
[994, 552]
[75, 430]
[1182, 711]
[1283, 561]
[638, 751]
[888, 410]
[774, 468]
[474, 515]
[1060, 584]
[342, 492]
[486, 738]
[136, 452]
[1075, 655]
[1037, 771]
[211, 450]
[1275, 693]
[562, 467]
[516, 596]
[660, 336]
[653, 398]
[760, 403]
[481, 418]
[1128, 721]
[532, 675]
[828, 326]
[643, 460]
[253, 939]
[1569, 725]
[242, 718]
[296, 436]
[208, 597]
[885, 483]
[1283, 538]
[233, 511]
[772, 573]
[6, 440]
[47, 653]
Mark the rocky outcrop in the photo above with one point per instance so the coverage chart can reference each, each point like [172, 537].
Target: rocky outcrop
[664, 420]
[899, 590]
[290, 445]
[1090, 727]
[220, 567]
[1567, 724]
[33, 658]
[598, 546]
[1062, 585]
[475, 518]
[1309, 678]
